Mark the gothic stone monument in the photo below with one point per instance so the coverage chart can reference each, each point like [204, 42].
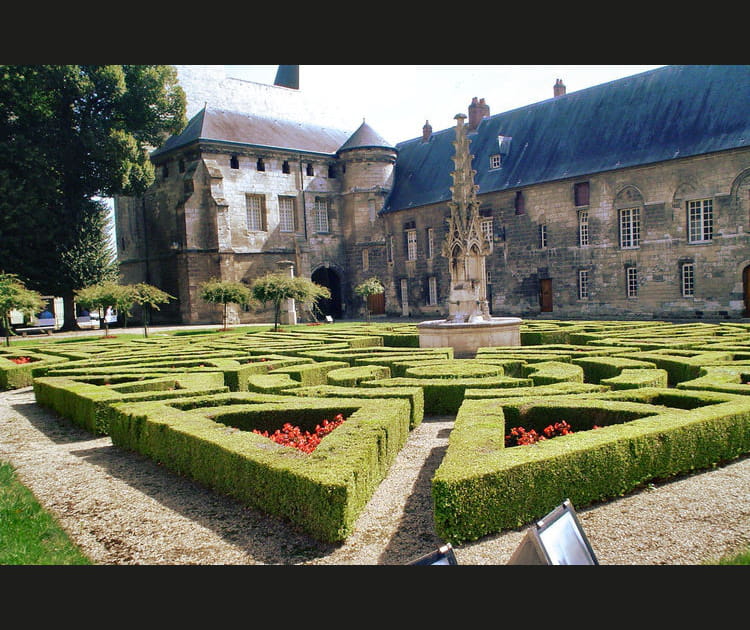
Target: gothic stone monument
[469, 324]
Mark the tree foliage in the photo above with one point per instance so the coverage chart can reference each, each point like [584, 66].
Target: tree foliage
[15, 296]
[225, 292]
[70, 134]
[105, 294]
[276, 287]
[148, 297]
[371, 286]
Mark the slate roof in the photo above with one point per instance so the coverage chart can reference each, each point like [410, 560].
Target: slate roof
[219, 125]
[364, 138]
[663, 114]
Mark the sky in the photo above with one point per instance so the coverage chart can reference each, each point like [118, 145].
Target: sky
[396, 100]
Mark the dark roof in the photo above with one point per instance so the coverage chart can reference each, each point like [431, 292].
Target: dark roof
[364, 138]
[663, 114]
[219, 125]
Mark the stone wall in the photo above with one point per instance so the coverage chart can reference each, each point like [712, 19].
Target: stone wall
[661, 192]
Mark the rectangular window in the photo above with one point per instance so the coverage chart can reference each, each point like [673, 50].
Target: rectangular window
[365, 259]
[411, 244]
[486, 227]
[630, 228]
[495, 161]
[520, 202]
[389, 249]
[430, 242]
[286, 214]
[583, 284]
[688, 279]
[432, 287]
[583, 228]
[581, 194]
[542, 236]
[700, 220]
[320, 214]
[405, 297]
[631, 278]
[255, 213]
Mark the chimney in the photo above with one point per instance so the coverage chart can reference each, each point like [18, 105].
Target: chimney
[559, 89]
[477, 111]
[426, 131]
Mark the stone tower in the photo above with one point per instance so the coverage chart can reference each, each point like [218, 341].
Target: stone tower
[366, 162]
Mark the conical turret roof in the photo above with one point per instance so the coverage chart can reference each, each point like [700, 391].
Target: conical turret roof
[365, 138]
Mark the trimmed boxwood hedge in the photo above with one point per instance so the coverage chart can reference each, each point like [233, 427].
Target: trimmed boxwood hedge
[323, 492]
[481, 487]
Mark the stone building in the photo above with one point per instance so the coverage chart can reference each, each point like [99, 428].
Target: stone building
[627, 198]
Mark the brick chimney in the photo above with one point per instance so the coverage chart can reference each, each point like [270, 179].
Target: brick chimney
[559, 89]
[477, 111]
[426, 131]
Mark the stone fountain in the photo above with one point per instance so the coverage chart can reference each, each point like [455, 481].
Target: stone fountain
[469, 325]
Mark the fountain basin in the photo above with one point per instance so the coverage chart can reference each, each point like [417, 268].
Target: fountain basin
[466, 337]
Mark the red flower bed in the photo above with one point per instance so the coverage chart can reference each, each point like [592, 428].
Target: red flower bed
[519, 436]
[292, 435]
[21, 360]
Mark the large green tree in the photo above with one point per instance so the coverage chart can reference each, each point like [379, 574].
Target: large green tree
[69, 136]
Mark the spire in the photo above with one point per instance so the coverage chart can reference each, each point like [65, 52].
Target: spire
[287, 76]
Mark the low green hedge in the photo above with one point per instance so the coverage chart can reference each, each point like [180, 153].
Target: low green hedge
[444, 396]
[482, 488]
[414, 395]
[16, 375]
[322, 492]
[84, 403]
[595, 369]
[547, 372]
[631, 378]
[353, 376]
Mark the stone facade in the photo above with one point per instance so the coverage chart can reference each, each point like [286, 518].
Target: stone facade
[519, 263]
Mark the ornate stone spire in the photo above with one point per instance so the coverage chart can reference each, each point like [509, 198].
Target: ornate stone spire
[465, 246]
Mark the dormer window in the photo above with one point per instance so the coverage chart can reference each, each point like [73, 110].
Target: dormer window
[495, 161]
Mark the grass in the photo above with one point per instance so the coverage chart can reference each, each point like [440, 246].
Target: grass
[29, 535]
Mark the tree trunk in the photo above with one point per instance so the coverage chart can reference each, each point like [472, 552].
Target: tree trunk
[69, 311]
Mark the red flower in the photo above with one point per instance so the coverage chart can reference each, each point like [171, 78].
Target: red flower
[291, 435]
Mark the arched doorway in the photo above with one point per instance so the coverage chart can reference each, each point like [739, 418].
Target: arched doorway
[746, 290]
[327, 277]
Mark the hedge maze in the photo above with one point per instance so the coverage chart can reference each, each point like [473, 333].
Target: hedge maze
[644, 401]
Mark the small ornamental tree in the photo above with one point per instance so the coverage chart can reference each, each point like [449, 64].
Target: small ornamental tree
[369, 287]
[15, 296]
[100, 296]
[276, 287]
[148, 297]
[225, 292]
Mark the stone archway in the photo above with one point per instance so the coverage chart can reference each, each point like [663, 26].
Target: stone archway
[328, 277]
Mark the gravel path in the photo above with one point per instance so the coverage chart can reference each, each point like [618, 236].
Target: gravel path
[124, 509]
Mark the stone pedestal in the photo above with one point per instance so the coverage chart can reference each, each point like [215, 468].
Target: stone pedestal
[288, 314]
[466, 338]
